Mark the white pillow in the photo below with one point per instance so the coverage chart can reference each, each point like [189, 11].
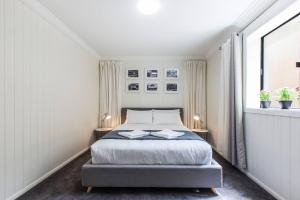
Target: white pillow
[167, 117]
[139, 117]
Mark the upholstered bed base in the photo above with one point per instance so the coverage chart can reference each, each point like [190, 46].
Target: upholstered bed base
[168, 176]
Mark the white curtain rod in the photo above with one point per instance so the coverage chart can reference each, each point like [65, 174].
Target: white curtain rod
[267, 8]
[252, 21]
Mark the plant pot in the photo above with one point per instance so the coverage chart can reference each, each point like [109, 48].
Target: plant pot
[265, 104]
[286, 104]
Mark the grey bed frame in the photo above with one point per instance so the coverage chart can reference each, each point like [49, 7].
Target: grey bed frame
[161, 176]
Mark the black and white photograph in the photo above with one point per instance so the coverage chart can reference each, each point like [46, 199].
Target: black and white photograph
[133, 74]
[151, 73]
[171, 88]
[171, 73]
[133, 87]
[151, 87]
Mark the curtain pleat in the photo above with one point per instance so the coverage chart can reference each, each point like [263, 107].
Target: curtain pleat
[231, 143]
[195, 93]
[110, 93]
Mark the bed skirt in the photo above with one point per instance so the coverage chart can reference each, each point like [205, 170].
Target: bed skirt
[161, 176]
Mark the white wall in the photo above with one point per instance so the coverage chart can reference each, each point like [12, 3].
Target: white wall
[160, 99]
[48, 97]
[213, 85]
[272, 137]
[273, 146]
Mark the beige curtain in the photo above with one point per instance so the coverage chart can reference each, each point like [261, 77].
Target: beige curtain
[110, 93]
[195, 93]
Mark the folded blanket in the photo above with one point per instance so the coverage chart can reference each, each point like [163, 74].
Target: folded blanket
[134, 134]
[188, 135]
[168, 134]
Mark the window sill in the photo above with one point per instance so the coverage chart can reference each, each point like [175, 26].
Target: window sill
[274, 111]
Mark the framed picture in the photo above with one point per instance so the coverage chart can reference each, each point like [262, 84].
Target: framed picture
[151, 73]
[132, 73]
[171, 73]
[151, 87]
[171, 88]
[133, 87]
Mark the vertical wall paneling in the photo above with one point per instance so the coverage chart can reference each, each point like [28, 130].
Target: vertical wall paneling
[295, 160]
[274, 150]
[2, 100]
[285, 130]
[48, 97]
[273, 146]
[9, 97]
[27, 49]
[34, 85]
[19, 94]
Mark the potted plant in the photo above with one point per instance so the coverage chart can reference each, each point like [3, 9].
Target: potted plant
[265, 99]
[285, 98]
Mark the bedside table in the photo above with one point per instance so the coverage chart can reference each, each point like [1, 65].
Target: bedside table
[202, 133]
[100, 132]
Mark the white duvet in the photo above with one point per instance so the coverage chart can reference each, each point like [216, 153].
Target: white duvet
[151, 152]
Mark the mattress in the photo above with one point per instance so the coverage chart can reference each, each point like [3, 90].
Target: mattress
[151, 152]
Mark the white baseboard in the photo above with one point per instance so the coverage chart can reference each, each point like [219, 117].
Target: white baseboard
[42, 178]
[261, 184]
[256, 180]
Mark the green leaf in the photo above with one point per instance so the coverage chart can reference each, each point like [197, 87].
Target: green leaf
[285, 94]
[265, 95]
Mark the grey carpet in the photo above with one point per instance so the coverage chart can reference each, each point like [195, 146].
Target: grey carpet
[65, 185]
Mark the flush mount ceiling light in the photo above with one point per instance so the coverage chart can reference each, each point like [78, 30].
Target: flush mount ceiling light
[148, 7]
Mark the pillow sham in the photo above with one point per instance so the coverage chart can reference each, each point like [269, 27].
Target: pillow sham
[139, 117]
[167, 117]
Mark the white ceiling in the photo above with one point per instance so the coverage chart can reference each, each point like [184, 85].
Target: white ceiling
[179, 28]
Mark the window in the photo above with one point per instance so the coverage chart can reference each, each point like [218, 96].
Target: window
[280, 57]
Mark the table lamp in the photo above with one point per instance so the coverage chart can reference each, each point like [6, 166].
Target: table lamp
[197, 118]
[106, 116]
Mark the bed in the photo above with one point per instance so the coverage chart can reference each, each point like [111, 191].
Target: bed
[184, 162]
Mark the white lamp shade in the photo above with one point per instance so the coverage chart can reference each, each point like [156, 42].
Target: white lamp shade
[106, 116]
[196, 117]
